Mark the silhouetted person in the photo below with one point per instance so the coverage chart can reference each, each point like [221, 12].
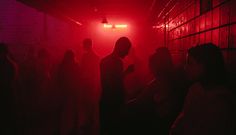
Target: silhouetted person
[27, 71]
[165, 88]
[207, 109]
[8, 74]
[41, 105]
[43, 68]
[69, 84]
[112, 75]
[90, 69]
[42, 73]
[155, 106]
[89, 65]
[27, 74]
[27, 91]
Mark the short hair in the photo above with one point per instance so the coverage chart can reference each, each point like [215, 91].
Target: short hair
[122, 43]
[210, 56]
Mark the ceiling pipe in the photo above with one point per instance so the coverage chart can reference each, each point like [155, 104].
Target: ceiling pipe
[167, 4]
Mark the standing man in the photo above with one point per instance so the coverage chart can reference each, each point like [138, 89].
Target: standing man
[89, 65]
[113, 91]
[90, 69]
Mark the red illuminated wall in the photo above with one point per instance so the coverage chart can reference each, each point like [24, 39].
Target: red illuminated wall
[22, 27]
[186, 25]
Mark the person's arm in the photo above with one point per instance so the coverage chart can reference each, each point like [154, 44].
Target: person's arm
[129, 70]
[177, 127]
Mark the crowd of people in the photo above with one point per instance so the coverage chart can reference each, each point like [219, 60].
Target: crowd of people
[87, 96]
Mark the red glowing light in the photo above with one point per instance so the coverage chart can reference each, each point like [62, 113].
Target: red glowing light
[107, 26]
[121, 26]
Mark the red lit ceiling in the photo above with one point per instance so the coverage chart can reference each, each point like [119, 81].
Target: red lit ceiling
[85, 10]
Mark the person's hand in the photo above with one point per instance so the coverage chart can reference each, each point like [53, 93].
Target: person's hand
[130, 69]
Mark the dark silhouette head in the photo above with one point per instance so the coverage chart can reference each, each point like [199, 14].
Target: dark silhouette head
[87, 44]
[122, 47]
[69, 56]
[205, 63]
[160, 63]
[3, 51]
